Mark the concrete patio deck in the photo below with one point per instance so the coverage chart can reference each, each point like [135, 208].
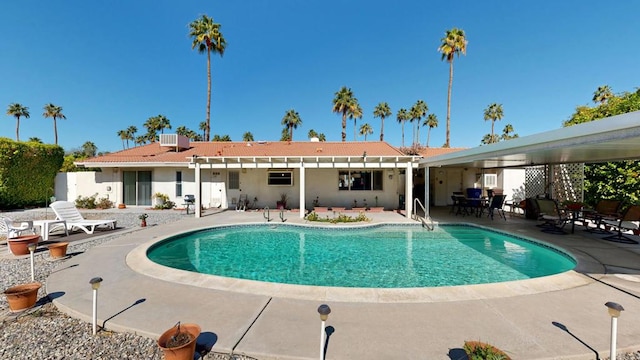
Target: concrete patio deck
[557, 317]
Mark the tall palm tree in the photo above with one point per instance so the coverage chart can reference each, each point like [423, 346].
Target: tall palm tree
[89, 149]
[312, 133]
[344, 103]
[131, 132]
[493, 112]
[163, 123]
[291, 120]
[207, 38]
[247, 136]
[431, 121]
[453, 43]
[16, 110]
[365, 130]
[123, 136]
[321, 137]
[153, 125]
[141, 140]
[285, 135]
[355, 115]
[382, 111]
[602, 94]
[55, 112]
[402, 116]
[417, 112]
[35, 140]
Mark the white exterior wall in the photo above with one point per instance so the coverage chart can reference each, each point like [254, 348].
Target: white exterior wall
[68, 186]
[513, 181]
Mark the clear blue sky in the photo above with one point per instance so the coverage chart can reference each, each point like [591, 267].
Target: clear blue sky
[112, 64]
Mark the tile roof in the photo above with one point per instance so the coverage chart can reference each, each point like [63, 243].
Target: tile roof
[429, 151]
[154, 153]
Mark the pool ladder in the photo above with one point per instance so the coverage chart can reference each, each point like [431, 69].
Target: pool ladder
[266, 213]
[425, 220]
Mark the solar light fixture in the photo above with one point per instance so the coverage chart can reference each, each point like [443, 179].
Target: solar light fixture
[324, 310]
[614, 311]
[32, 249]
[95, 284]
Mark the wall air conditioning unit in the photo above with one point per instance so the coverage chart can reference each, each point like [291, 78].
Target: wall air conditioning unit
[490, 180]
[179, 142]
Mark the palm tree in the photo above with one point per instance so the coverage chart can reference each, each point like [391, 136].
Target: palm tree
[89, 149]
[207, 38]
[453, 43]
[221, 138]
[493, 112]
[506, 132]
[602, 95]
[402, 117]
[141, 140]
[291, 120]
[382, 110]
[182, 130]
[321, 137]
[344, 103]
[355, 115]
[365, 130]
[16, 110]
[247, 136]
[131, 132]
[35, 140]
[312, 134]
[163, 123]
[285, 135]
[123, 136]
[203, 126]
[417, 112]
[431, 121]
[55, 112]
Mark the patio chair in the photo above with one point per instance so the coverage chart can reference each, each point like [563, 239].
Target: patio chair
[628, 221]
[604, 210]
[496, 204]
[15, 228]
[554, 219]
[67, 211]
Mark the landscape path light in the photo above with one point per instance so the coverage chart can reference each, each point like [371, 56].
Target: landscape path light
[324, 310]
[95, 284]
[614, 312]
[32, 249]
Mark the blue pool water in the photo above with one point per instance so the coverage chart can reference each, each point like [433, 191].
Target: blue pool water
[387, 256]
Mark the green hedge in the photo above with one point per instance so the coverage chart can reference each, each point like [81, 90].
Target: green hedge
[27, 172]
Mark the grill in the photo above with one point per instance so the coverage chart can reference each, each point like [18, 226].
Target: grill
[189, 202]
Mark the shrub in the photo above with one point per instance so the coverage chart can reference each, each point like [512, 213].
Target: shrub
[477, 350]
[341, 218]
[104, 203]
[88, 202]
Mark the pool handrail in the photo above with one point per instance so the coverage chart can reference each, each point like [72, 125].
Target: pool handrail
[266, 213]
[423, 219]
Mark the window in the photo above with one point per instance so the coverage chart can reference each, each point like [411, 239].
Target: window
[178, 183]
[282, 178]
[490, 180]
[234, 180]
[360, 180]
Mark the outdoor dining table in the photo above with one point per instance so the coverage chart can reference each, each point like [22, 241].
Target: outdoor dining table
[45, 227]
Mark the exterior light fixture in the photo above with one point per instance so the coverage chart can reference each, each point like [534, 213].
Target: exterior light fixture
[614, 311]
[32, 249]
[324, 310]
[95, 284]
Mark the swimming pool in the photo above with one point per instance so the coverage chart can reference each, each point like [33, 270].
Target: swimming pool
[380, 256]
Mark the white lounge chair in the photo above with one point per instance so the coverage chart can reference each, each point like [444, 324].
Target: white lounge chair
[67, 211]
[15, 228]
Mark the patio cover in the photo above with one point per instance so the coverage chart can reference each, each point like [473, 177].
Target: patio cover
[610, 139]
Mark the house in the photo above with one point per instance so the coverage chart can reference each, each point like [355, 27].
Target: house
[259, 173]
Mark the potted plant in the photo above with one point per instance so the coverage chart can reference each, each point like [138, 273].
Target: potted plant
[22, 297]
[179, 342]
[376, 208]
[58, 250]
[282, 203]
[19, 245]
[477, 350]
[143, 219]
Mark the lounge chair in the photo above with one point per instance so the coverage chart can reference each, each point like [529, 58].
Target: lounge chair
[67, 211]
[626, 222]
[604, 210]
[554, 219]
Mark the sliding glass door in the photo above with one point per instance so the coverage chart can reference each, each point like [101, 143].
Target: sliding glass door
[137, 187]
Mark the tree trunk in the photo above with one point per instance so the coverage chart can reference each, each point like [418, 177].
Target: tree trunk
[55, 130]
[18, 128]
[382, 128]
[344, 126]
[448, 133]
[207, 131]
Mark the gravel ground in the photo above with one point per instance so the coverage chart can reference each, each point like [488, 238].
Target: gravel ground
[45, 333]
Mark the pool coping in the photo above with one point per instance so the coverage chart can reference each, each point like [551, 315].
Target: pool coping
[138, 261]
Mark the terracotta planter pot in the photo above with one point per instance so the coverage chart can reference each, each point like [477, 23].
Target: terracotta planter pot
[22, 297]
[18, 245]
[58, 250]
[143, 223]
[122, 206]
[184, 351]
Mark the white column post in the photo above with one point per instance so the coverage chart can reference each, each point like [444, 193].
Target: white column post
[303, 186]
[614, 336]
[427, 196]
[198, 204]
[408, 191]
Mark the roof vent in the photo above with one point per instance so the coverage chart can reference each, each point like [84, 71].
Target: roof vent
[180, 142]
